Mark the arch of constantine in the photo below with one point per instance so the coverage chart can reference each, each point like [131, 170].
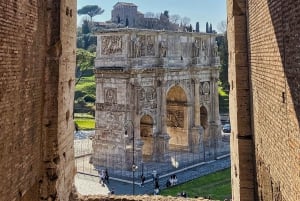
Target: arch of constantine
[156, 91]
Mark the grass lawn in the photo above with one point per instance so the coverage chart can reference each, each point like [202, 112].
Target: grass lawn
[216, 185]
[87, 84]
[223, 100]
[85, 123]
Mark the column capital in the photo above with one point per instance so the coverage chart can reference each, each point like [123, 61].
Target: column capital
[196, 80]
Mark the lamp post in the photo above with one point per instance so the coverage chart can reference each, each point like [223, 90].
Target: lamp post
[133, 167]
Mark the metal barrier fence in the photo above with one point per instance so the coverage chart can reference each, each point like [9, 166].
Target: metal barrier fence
[175, 160]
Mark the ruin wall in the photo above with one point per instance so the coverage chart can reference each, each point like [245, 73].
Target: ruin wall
[274, 48]
[36, 96]
[264, 98]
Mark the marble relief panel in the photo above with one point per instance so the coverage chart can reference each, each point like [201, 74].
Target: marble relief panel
[111, 45]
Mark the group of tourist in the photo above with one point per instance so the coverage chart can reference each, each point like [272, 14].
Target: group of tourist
[172, 181]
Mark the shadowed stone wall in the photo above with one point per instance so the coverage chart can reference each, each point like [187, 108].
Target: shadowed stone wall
[242, 167]
[37, 59]
[274, 52]
[264, 94]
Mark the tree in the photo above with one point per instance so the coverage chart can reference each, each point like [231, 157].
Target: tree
[175, 18]
[90, 10]
[84, 62]
[84, 41]
[185, 21]
[222, 26]
[223, 52]
[190, 28]
[166, 13]
[85, 27]
[207, 27]
[197, 27]
[149, 15]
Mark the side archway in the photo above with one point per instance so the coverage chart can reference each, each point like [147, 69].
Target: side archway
[203, 117]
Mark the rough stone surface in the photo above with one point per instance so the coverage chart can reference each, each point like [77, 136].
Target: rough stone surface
[242, 167]
[37, 59]
[264, 95]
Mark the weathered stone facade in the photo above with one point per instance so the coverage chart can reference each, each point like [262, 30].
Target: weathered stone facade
[161, 86]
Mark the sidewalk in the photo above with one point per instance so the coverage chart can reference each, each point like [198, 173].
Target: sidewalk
[89, 185]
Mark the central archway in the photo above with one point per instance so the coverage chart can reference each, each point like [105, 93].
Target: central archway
[177, 118]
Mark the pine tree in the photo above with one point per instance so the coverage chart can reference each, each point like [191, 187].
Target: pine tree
[207, 27]
[85, 27]
[190, 28]
[197, 27]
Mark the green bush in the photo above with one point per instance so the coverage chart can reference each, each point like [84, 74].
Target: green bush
[89, 98]
[79, 94]
[80, 101]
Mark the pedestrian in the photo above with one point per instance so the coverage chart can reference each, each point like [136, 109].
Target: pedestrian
[156, 185]
[142, 180]
[101, 177]
[156, 188]
[168, 184]
[154, 174]
[171, 180]
[183, 194]
[106, 176]
[174, 179]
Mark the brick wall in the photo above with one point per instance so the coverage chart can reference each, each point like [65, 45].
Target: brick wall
[271, 30]
[36, 94]
[274, 46]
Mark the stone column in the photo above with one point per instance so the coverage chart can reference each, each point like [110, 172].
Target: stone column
[197, 103]
[164, 108]
[158, 120]
[163, 138]
[214, 99]
[214, 121]
[195, 130]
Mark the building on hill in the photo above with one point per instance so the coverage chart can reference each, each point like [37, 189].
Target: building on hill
[127, 15]
[165, 85]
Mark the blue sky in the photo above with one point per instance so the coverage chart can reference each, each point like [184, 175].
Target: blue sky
[212, 11]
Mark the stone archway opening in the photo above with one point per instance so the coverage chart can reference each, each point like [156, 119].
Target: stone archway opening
[146, 127]
[204, 122]
[203, 117]
[177, 119]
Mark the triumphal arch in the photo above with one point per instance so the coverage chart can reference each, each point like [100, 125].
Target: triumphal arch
[156, 92]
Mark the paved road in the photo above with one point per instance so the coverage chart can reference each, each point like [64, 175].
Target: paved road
[89, 185]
